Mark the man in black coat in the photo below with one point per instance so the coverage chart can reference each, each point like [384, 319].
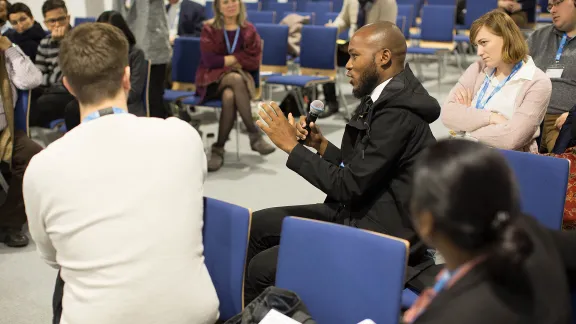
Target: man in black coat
[367, 180]
[185, 18]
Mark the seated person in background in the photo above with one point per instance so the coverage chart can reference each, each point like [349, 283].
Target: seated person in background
[49, 101]
[28, 32]
[368, 180]
[16, 72]
[5, 26]
[501, 266]
[518, 10]
[501, 99]
[348, 18]
[554, 51]
[231, 52]
[185, 18]
[93, 214]
[138, 71]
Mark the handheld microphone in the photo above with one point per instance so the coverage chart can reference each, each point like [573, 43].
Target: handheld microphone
[316, 109]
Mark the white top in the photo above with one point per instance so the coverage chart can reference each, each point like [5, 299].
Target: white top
[116, 203]
[174, 18]
[503, 101]
[378, 90]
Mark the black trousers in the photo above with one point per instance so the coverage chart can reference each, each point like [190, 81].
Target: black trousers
[265, 238]
[48, 104]
[156, 92]
[329, 89]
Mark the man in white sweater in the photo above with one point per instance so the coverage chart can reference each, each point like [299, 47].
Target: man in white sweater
[126, 238]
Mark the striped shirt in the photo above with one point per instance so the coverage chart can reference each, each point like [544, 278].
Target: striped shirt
[23, 75]
[47, 61]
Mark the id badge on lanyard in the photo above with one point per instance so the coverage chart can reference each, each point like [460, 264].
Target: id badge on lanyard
[555, 70]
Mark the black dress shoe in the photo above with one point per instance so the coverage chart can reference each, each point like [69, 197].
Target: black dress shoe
[14, 238]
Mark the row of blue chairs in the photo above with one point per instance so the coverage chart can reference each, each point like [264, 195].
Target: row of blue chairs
[290, 6]
[328, 283]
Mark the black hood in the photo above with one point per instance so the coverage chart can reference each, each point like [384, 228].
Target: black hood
[36, 33]
[405, 91]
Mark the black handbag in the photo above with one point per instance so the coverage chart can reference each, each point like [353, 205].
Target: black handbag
[282, 300]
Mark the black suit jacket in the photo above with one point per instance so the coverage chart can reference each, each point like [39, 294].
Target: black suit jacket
[539, 294]
[529, 7]
[191, 18]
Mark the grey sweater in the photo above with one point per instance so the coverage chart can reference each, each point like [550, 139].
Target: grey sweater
[147, 20]
[543, 45]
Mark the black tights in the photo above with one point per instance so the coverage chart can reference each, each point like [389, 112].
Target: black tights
[235, 97]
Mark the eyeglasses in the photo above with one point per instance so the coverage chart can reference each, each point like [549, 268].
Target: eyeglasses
[18, 21]
[554, 3]
[56, 20]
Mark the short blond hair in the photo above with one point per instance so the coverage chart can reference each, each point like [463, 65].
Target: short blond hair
[515, 47]
[219, 17]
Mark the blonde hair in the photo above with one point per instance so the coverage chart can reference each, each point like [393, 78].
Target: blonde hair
[219, 17]
[515, 48]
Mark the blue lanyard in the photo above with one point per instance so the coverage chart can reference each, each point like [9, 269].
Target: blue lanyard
[480, 104]
[103, 112]
[231, 49]
[561, 47]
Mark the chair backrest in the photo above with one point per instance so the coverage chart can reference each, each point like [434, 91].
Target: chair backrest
[318, 50]
[252, 6]
[407, 11]
[402, 23]
[261, 17]
[146, 92]
[475, 9]
[337, 5]
[543, 182]
[22, 111]
[185, 61]
[544, 9]
[441, 2]
[281, 8]
[321, 263]
[275, 39]
[438, 23]
[324, 18]
[82, 20]
[416, 7]
[318, 7]
[209, 9]
[225, 235]
[312, 15]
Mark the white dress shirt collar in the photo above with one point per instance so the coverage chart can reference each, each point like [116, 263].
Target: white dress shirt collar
[378, 90]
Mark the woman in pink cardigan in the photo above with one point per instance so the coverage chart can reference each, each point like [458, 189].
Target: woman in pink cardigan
[501, 99]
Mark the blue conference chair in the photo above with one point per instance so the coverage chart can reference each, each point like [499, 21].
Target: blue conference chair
[252, 6]
[441, 2]
[261, 17]
[312, 15]
[318, 7]
[225, 235]
[476, 9]
[320, 262]
[407, 10]
[275, 38]
[543, 182]
[416, 7]
[209, 10]
[328, 17]
[314, 68]
[83, 20]
[281, 8]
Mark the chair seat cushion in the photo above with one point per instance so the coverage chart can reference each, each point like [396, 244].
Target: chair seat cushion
[195, 101]
[172, 95]
[461, 38]
[421, 50]
[295, 80]
[58, 122]
[408, 298]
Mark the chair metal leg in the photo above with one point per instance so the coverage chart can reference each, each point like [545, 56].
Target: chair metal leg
[238, 137]
[440, 71]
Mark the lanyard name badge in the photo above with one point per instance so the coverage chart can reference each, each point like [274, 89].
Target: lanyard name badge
[103, 112]
[480, 103]
[232, 48]
[556, 69]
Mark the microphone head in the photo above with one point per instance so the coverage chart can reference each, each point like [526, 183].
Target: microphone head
[316, 108]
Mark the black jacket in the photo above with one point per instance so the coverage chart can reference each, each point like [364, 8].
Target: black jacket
[378, 149]
[191, 18]
[138, 71]
[29, 40]
[539, 294]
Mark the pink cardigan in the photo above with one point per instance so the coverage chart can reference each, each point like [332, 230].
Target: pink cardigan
[520, 132]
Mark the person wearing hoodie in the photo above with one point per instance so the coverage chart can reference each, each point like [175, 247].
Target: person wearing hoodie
[28, 33]
[367, 180]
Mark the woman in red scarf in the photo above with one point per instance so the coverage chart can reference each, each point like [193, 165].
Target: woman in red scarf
[231, 53]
